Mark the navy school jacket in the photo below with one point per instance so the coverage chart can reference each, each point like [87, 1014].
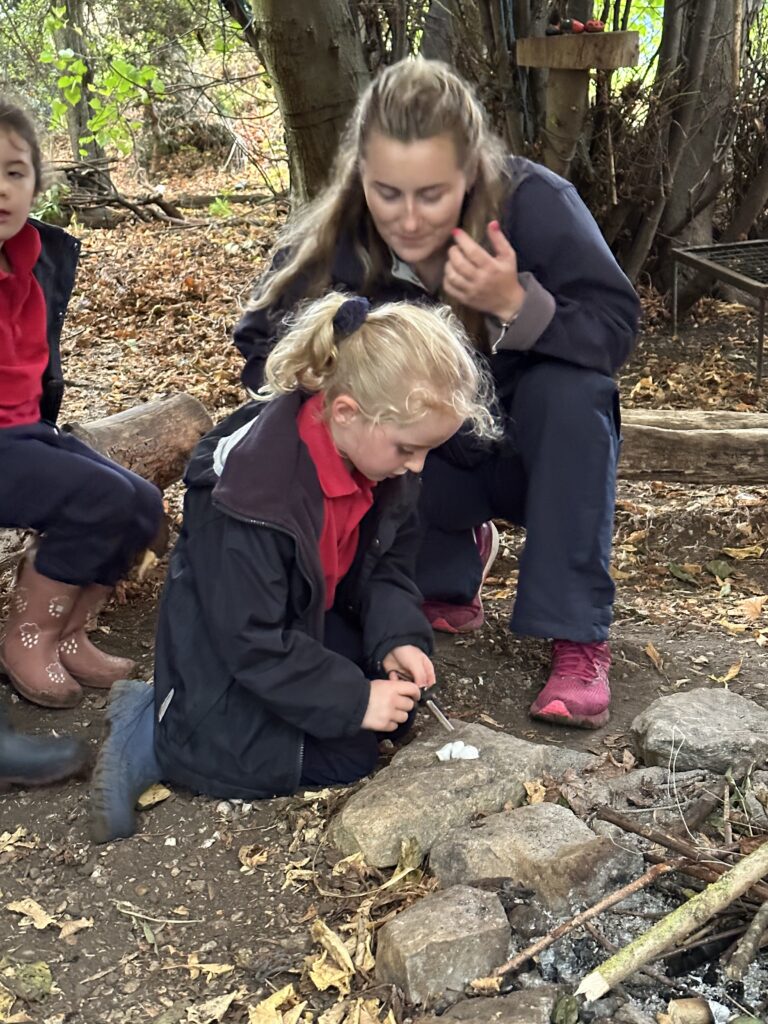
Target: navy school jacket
[241, 673]
[55, 271]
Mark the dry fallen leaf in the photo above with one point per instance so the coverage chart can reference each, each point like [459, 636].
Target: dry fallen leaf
[250, 856]
[752, 608]
[734, 628]
[732, 672]
[755, 551]
[195, 968]
[213, 1010]
[154, 795]
[29, 908]
[268, 1010]
[7, 999]
[536, 791]
[72, 927]
[656, 658]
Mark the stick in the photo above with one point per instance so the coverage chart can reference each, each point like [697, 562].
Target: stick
[677, 925]
[492, 983]
[747, 949]
[707, 873]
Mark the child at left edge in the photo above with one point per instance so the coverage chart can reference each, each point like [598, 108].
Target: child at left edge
[92, 516]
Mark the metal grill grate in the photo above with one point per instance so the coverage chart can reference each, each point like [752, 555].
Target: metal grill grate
[747, 259]
[742, 264]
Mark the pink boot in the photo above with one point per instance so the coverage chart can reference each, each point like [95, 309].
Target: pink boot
[29, 651]
[464, 618]
[577, 691]
[85, 662]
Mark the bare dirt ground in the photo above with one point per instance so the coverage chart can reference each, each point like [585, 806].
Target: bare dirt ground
[214, 900]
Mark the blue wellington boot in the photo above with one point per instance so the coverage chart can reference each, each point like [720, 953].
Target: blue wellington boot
[38, 760]
[126, 764]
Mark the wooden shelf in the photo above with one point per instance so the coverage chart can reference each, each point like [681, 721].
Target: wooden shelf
[602, 50]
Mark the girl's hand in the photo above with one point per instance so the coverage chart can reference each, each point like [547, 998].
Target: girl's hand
[409, 662]
[390, 703]
[484, 281]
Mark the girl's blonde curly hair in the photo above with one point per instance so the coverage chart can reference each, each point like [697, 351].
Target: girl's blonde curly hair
[403, 362]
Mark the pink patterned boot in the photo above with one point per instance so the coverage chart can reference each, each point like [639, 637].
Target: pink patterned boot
[577, 691]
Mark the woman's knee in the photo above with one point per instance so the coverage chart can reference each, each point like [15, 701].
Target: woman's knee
[561, 392]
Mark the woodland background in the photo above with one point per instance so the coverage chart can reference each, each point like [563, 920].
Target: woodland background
[672, 151]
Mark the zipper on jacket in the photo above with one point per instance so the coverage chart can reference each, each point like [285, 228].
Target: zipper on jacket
[305, 574]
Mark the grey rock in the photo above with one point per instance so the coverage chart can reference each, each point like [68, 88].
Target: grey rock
[713, 729]
[417, 796]
[532, 1007]
[544, 847]
[629, 1014]
[434, 948]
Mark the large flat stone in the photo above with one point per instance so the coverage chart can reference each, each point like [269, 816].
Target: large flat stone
[712, 729]
[417, 796]
[435, 947]
[543, 847]
[532, 1006]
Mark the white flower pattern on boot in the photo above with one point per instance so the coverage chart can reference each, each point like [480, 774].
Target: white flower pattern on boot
[20, 599]
[70, 645]
[29, 634]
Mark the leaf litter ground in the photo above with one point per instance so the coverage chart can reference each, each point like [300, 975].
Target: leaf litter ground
[237, 912]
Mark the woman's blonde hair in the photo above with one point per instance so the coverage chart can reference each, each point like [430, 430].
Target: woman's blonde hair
[403, 362]
[411, 100]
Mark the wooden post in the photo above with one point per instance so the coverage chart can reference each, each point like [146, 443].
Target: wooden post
[569, 59]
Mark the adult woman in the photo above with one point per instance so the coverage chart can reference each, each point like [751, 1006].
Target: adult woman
[418, 186]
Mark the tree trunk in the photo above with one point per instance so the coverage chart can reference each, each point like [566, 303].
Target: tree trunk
[441, 34]
[313, 55]
[72, 37]
[676, 135]
[698, 180]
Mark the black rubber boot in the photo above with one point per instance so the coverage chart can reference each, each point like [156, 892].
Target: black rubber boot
[38, 760]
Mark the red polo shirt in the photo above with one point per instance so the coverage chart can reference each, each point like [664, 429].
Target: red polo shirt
[23, 341]
[347, 496]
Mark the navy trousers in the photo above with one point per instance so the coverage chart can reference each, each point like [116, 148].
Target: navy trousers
[93, 516]
[556, 476]
[343, 761]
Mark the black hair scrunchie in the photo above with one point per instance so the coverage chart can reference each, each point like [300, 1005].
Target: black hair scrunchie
[350, 316]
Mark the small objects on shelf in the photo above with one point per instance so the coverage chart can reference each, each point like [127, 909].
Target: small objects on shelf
[594, 25]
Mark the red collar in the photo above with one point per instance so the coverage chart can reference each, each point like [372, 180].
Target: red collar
[22, 251]
[336, 479]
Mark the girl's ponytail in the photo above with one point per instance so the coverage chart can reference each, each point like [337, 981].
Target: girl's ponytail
[305, 358]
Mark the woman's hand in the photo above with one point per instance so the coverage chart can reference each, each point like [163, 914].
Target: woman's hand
[390, 703]
[409, 662]
[484, 281]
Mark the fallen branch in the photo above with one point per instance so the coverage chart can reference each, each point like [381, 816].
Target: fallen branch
[492, 984]
[676, 926]
[703, 858]
[748, 947]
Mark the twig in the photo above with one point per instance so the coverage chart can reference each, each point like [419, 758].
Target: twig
[747, 949]
[677, 925]
[693, 853]
[493, 983]
[121, 908]
[727, 830]
[611, 947]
